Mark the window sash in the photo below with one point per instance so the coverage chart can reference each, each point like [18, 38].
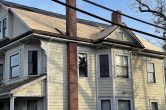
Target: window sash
[124, 105]
[154, 105]
[4, 28]
[106, 104]
[32, 62]
[83, 64]
[14, 67]
[121, 66]
[151, 73]
[104, 65]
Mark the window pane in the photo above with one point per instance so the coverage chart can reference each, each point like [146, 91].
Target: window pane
[4, 27]
[124, 105]
[105, 105]
[154, 105]
[32, 105]
[121, 60]
[150, 67]
[15, 71]
[14, 60]
[32, 62]
[151, 77]
[83, 65]
[104, 65]
[121, 71]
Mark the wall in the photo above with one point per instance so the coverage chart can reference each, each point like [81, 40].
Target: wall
[145, 92]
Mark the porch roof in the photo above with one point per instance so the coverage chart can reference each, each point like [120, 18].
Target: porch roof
[12, 88]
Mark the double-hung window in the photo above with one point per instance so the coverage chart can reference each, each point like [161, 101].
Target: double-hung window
[121, 66]
[151, 72]
[124, 105]
[3, 27]
[1, 73]
[14, 65]
[83, 64]
[33, 62]
[104, 65]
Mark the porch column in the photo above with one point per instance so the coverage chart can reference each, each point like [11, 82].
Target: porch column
[12, 103]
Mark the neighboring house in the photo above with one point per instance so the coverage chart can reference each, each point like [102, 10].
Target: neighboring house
[116, 69]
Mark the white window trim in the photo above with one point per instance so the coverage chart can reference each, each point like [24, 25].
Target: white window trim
[129, 99]
[17, 52]
[150, 103]
[129, 65]
[7, 28]
[87, 64]
[105, 98]
[98, 63]
[39, 60]
[148, 72]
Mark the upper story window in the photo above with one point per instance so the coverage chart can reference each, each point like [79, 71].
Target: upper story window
[1, 73]
[83, 64]
[3, 27]
[124, 105]
[151, 72]
[104, 65]
[121, 66]
[14, 65]
[32, 62]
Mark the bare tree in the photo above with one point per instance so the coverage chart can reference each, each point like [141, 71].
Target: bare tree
[157, 8]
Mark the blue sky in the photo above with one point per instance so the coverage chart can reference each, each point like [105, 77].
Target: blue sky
[123, 5]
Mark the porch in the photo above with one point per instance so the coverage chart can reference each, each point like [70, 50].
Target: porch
[25, 95]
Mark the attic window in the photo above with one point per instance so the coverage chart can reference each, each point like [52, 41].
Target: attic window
[120, 36]
[3, 27]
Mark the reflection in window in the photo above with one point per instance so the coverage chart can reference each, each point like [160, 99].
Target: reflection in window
[121, 66]
[83, 65]
[14, 65]
[104, 65]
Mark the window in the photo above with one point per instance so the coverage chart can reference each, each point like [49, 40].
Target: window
[104, 65]
[124, 105]
[121, 66]
[151, 72]
[4, 27]
[154, 106]
[106, 104]
[32, 105]
[14, 65]
[1, 73]
[83, 65]
[32, 62]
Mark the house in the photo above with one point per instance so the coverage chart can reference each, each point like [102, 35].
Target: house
[113, 69]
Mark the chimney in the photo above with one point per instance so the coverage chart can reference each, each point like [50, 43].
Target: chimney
[71, 19]
[71, 31]
[116, 17]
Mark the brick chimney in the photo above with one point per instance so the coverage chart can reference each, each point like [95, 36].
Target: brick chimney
[117, 18]
[71, 31]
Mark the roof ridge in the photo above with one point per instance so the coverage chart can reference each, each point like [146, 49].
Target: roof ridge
[49, 13]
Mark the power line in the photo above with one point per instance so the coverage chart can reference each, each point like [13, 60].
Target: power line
[108, 9]
[103, 19]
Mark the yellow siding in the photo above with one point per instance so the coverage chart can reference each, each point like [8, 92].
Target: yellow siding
[57, 76]
[144, 91]
[32, 90]
[87, 86]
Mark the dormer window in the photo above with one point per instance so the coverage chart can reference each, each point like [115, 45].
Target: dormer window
[3, 28]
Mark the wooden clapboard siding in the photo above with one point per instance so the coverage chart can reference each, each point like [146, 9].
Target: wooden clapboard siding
[87, 85]
[57, 76]
[144, 91]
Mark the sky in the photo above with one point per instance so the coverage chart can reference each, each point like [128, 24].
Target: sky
[125, 6]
